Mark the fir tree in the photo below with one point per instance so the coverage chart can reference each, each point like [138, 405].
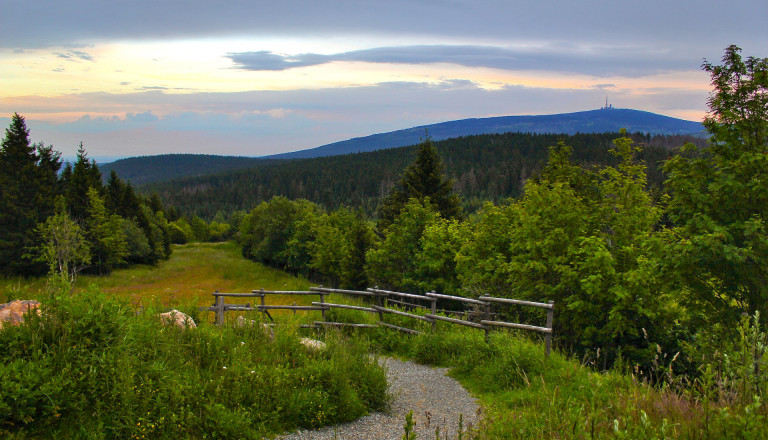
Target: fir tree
[424, 178]
[85, 175]
[28, 185]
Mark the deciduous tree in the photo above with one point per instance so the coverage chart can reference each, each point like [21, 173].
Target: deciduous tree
[719, 194]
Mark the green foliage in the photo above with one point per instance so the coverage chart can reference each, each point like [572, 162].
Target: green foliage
[489, 167]
[136, 242]
[423, 179]
[105, 234]
[585, 241]
[409, 434]
[391, 263]
[267, 233]
[90, 367]
[84, 176]
[63, 246]
[180, 231]
[719, 195]
[199, 228]
[28, 188]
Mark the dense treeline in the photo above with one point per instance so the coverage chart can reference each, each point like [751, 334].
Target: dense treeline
[65, 221]
[141, 170]
[633, 271]
[488, 167]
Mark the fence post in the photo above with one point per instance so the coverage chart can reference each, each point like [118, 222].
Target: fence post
[487, 312]
[263, 303]
[380, 304]
[434, 312]
[550, 319]
[219, 309]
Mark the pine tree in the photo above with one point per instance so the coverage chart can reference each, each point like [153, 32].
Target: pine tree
[85, 175]
[424, 178]
[28, 185]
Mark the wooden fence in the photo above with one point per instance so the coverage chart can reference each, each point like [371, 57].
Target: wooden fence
[406, 303]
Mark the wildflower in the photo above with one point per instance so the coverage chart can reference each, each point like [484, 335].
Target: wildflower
[224, 368]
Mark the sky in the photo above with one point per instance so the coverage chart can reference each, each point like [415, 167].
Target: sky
[253, 78]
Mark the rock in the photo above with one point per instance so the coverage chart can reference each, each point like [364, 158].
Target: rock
[313, 344]
[12, 313]
[177, 318]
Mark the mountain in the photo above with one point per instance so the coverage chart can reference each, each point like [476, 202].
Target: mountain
[149, 169]
[141, 170]
[603, 120]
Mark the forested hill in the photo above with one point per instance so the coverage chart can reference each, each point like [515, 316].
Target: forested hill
[147, 169]
[592, 121]
[484, 167]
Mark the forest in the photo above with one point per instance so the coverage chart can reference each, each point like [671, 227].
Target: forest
[489, 167]
[65, 221]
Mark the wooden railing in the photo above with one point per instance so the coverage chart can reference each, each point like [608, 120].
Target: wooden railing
[406, 303]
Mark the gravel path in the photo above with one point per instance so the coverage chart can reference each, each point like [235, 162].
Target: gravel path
[435, 399]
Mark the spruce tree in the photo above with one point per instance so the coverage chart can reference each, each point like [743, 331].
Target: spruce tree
[28, 185]
[85, 175]
[424, 178]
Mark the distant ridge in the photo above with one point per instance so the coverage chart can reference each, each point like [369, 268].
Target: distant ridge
[591, 121]
[147, 169]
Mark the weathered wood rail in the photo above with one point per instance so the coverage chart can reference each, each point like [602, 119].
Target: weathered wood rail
[406, 303]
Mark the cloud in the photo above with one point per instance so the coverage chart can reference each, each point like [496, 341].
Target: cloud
[701, 27]
[74, 55]
[144, 117]
[266, 122]
[599, 61]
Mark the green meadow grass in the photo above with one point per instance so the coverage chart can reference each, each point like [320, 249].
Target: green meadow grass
[93, 368]
[188, 278]
[90, 367]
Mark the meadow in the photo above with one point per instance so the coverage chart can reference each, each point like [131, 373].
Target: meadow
[99, 364]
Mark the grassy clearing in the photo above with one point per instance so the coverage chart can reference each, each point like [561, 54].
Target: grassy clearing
[89, 367]
[193, 272]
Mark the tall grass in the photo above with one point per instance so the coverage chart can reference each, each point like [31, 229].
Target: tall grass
[528, 396]
[89, 367]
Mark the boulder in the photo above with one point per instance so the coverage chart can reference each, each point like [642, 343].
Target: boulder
[313, 344]
[177, 318]
[12, 313]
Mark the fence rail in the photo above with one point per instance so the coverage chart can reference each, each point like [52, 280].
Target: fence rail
[383, 299]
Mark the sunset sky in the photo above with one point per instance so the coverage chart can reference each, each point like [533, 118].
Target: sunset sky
[254, 78]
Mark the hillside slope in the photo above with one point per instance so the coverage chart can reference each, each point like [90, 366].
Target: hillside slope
[149, 169]
[591, 121]
[141, 170]
[484, 167]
